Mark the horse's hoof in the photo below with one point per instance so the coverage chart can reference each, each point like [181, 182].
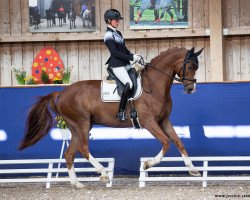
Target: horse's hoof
[79, 185]
[146, 166]
[104, 179]
[194, 172]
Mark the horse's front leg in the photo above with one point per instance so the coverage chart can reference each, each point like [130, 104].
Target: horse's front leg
[83, 148]
[170, 132]
[154, 128]
[161, 16]
[139, 15]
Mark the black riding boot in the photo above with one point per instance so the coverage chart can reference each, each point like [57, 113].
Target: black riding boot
[123, 103]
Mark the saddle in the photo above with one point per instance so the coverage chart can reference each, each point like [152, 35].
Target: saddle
[112, 88]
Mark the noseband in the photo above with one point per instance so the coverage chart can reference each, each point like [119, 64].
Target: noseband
[183, 68]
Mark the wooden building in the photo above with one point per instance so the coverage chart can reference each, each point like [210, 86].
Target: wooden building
[221, 26]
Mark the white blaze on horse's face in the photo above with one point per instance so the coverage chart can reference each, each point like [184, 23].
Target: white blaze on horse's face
[189, 88]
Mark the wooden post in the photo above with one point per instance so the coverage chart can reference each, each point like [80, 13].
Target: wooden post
[216, 41]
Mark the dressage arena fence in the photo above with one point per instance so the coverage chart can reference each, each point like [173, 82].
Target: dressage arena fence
[53, 167]
[209, 164]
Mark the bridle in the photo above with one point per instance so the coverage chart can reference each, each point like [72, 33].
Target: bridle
[183, 69]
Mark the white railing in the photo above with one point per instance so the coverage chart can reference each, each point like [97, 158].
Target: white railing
[24, 168]
[205, 167]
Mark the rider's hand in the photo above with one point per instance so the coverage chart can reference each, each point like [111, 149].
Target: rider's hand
[136, 57]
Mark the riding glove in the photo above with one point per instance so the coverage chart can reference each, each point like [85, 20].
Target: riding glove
[136, 57]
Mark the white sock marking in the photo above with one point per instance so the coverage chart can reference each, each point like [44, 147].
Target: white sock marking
[72, 175]
[97, 165]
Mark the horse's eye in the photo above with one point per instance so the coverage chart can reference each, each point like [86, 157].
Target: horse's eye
[190, 67]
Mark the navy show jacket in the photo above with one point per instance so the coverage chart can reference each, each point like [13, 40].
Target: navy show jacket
[120, 55]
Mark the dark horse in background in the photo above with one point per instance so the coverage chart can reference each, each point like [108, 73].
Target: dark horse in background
[81, 107]
[50, 16]
[35, 17]
[72, 17]
[62, 18]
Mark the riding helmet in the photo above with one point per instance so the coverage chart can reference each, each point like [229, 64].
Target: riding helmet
[112, 14]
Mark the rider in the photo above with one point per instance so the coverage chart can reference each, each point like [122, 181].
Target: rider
[71, 10]
[61, 9]
[84, 7]
[120, 56]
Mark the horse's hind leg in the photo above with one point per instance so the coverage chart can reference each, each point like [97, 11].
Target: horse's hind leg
[83, 23]
[153, 127]
[170, 132]
[69, 157]
[171, 16]
[162, 15]
[83, 148]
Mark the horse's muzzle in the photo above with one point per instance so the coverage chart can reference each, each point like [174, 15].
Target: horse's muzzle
[189, 88]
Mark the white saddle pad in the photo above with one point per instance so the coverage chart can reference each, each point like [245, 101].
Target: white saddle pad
[109, 92]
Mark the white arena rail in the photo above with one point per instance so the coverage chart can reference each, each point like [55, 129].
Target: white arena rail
[205, 167]
[24, 168]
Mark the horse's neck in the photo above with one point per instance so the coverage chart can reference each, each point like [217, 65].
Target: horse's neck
[86, 13]
[160, 78]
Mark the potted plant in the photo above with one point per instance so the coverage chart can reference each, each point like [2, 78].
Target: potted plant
[57, 80]
[44, 77]
[30, 80]
[20, 75]
[61, 124]
[66, 75]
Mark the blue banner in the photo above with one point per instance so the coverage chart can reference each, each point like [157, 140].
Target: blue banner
[213, 121]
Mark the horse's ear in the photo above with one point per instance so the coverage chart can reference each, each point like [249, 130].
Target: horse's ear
[192, 51]
[199, 52]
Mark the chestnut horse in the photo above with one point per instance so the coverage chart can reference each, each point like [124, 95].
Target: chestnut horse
[81, 107]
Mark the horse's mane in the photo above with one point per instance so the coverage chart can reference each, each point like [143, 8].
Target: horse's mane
[165, 53]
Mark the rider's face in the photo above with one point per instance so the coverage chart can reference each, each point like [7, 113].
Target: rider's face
[114, 23]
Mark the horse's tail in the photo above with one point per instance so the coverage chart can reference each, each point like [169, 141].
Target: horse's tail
[39, 120]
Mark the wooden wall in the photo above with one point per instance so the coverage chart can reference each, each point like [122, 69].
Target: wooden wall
[87, 53]
[89, 57]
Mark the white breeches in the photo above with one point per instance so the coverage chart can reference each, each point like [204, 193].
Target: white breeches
[122, 74]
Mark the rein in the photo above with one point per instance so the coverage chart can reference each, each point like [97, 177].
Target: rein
[180, 80]
[174, 78]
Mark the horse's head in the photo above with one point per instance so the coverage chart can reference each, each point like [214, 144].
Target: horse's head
[187, 70]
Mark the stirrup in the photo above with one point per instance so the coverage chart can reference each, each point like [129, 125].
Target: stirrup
[121, 116]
